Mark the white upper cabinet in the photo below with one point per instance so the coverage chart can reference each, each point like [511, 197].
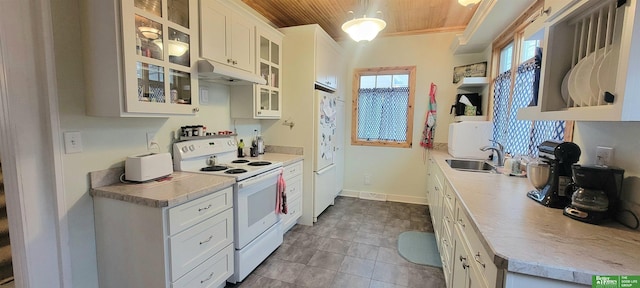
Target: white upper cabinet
[140, 57]
[226, 36]
[589, 63]
[262, 101]
[553, 8]
[327, 62]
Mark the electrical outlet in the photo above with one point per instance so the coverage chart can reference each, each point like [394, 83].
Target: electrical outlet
[604, 156]
[72, 142]
[152, 140]
[367, 179]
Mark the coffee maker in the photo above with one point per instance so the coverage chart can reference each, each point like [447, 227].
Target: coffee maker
[596, 191]
[560, 156]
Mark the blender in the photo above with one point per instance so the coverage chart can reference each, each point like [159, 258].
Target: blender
[559, 156]
[596, 191]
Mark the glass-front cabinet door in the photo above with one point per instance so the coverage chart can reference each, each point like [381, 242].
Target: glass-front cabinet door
[160, 54]
[268, 103]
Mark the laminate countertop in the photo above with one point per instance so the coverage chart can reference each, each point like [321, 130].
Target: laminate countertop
[528, 238]
[180, 187]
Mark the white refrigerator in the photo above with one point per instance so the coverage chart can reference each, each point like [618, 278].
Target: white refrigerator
[324, 170]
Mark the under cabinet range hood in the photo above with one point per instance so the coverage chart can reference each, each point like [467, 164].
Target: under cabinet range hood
[218, 73]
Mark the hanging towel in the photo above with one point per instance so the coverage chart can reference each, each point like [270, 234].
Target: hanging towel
[281, 198]
[430, 121]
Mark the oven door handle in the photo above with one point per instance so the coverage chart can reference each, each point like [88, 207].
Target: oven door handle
[258, 178]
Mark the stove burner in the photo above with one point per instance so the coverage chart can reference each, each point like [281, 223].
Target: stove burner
[214, 168]
[235, 171]
[259, 163]
[240, 161]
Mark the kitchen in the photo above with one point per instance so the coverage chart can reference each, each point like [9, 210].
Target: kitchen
[108, 140]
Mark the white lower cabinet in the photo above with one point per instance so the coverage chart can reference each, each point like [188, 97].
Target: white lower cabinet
[189, 245]
[465, 262]
[293, 179]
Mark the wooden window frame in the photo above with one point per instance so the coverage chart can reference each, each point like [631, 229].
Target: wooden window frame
[515, 33]
[411, 70]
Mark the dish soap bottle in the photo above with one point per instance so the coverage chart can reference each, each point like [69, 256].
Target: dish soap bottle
[241, 148]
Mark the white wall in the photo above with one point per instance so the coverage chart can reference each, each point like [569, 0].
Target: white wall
[107, 141]
[624, 137]
[400, 173]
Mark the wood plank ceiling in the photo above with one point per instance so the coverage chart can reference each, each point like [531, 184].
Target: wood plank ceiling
[403, 17]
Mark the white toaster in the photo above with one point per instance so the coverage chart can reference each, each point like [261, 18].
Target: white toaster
[147, 167]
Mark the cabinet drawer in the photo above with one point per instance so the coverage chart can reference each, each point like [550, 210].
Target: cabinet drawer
[211, 273]
[447, 220]
[191, 247]
[295, 211]
[449, 197]
[446, 254]
[292, 170]
[186, 215]
[294, 187]
[479, 257]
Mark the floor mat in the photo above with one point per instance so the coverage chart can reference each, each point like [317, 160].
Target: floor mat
[419, 247]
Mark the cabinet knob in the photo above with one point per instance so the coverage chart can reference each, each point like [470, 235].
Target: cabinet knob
[229, 60]
[196, 109]
[235, 62]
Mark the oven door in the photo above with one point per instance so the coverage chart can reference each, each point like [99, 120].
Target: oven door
[255, 205]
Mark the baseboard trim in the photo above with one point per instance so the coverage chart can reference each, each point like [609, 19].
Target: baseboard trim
[408, 199]
[384, 197]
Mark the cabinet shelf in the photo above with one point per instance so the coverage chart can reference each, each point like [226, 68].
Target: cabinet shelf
[473, 82]
[571, 47]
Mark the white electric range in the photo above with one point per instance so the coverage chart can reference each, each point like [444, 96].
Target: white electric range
[257, 230]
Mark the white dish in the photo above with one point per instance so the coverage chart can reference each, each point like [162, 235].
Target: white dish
[607, 70]
[593, 81]
[564, 89]
[574, 94]
[582, 83]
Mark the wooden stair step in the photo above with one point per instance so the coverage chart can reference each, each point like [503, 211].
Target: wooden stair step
[5, 255]
[4, 225]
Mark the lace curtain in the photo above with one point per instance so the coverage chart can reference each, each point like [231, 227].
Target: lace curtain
[520, 137]
[382, 113]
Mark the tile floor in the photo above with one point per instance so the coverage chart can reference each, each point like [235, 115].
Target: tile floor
[353, 244]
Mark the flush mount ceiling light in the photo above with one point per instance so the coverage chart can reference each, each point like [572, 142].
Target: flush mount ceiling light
[364, 28]
[468, 2]
[176, 47]
[149, 32]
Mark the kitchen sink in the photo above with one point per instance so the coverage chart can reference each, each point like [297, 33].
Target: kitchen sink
[471, 165]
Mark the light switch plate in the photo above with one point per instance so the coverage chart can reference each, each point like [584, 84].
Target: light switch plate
[72, 142]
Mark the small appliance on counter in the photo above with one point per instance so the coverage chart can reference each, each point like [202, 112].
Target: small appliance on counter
[141, 168]
[468, 104]
[596, 191]
[467, 137]
[559, 156]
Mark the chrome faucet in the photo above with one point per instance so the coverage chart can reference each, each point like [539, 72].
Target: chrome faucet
[499, 151]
